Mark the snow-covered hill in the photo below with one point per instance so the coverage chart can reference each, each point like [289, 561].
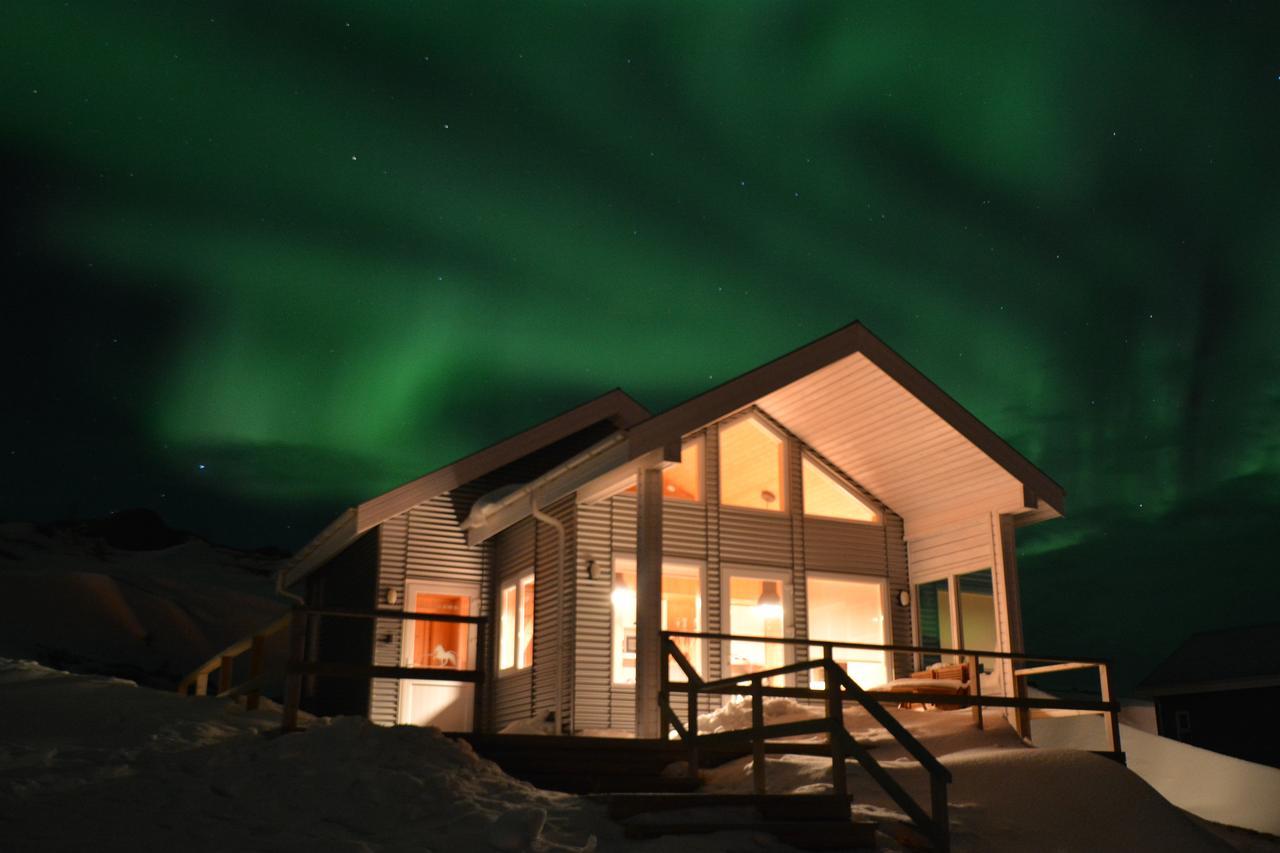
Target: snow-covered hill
[127, 596]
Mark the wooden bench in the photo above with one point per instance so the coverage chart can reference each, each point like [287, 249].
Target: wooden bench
[939, 682]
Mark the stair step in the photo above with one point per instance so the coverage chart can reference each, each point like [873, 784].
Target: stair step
[767, 806]
[604, 784]
[804, 834]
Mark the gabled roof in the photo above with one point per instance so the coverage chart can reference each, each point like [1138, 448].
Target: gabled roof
[1229, 659]
[828, 375]
[616, 406]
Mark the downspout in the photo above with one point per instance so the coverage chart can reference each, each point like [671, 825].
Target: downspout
[560, 615]
[280, 590]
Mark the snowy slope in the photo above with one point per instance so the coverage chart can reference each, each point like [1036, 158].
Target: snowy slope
[148, 607]
[1214, 786]
[93, 763]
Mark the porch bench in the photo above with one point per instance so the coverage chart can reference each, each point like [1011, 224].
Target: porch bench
[931, 685]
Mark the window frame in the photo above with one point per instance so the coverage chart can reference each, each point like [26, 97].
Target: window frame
[786, 579]
[517, 582]
[784, 486]
[843, 481]
[630, 487]
[629, 556]
[886, 612]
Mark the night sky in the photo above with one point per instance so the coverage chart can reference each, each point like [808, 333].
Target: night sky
[266, 260]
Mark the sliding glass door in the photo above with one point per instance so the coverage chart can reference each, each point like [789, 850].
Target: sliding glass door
[759, 605]
[957, 611]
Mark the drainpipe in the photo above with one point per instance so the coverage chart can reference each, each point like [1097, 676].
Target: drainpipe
[560, 617]
[280, 590]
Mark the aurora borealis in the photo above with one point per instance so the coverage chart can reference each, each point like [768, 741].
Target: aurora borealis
[268, 260]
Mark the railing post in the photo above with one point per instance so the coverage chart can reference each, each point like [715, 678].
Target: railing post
[293, 678]
[481, 665]
[202, 684]
[692, 729]
[257, 663]
[939, 814]
[1110, 716]
[225, 670]
[1022, 714]
[975, 675]
[835, 714]
[757, 739]
[664, 687]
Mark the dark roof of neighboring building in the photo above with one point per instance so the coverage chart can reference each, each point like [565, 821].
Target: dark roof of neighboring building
[1231, 658]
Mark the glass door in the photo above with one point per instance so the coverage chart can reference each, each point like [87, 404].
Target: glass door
[758, 605]
[448, 705]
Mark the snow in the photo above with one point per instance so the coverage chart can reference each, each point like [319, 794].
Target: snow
[70, 599]
[95, 763]
[1214, 786]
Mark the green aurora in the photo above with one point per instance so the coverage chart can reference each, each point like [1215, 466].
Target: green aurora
[266, 261]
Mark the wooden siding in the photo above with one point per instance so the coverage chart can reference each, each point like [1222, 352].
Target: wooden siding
[594, 615]
[423, 543]
[872, 428]
[546, 611]
[513, 555]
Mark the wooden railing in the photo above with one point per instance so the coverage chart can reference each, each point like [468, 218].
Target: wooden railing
[224, 662]
[838, 688]
[302, 660]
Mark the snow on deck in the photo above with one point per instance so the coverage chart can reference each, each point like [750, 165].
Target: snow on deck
[92, 763]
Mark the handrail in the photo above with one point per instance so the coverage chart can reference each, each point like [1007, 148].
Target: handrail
[224, 663]
[884, 647]
[839, 688]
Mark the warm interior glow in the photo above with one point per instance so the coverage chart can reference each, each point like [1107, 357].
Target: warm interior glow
[682, 481]
[751, 465]
[442, 645]
[507, 629]
[526, 622]
[826, 496]
[681, 611]
[852, 611]
[515, 644]
[749, 616]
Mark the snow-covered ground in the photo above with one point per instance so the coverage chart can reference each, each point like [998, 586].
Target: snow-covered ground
[1214, 786]
[95, 763]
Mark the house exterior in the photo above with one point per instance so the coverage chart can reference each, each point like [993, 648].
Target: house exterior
[1219, 690]
[834, 494]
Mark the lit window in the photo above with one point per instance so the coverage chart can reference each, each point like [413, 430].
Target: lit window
[751, 465]
[848, 610]
[515, 643]
[757, 608]
[826, 496]
[526, 623]
[507, 627]
[683, 481]
[681, 611]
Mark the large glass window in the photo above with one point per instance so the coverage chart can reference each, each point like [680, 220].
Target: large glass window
[826, 496]
[848, 610]
[515, 624]
[977, 612]
[681, 611]
[683, 481]
[757, 608]
[752, 458]
[933, 606]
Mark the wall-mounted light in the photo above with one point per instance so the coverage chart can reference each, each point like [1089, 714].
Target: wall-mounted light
[904, 597]
[769, 605]
[393, 595]
[591, 569]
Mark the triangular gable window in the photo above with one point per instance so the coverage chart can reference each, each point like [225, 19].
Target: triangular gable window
[826, 496]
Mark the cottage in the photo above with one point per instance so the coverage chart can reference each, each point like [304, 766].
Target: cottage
[832, 495]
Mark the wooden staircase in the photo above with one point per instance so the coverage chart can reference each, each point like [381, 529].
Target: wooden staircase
[633, 779]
